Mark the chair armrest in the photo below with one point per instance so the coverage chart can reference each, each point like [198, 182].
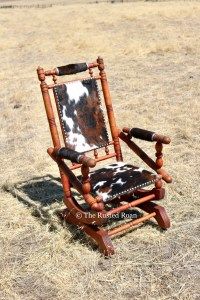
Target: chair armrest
[75, 156]
[146, 135]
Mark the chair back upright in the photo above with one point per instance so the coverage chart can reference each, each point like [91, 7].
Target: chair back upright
[80, 111]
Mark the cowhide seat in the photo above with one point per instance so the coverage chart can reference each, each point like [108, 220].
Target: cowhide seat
[119, 179]
[84, 132]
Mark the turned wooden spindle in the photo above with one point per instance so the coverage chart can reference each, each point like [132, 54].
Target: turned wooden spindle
[159, 155]
[54, 77]
[48, 108]
[159, 161]
[109, 108]
[95, 203]
[91, 72]
[85, 179]
[95, 153]
[107, 150]
[66, 187]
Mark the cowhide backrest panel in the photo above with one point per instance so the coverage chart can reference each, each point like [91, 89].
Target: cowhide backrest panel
[81, 115]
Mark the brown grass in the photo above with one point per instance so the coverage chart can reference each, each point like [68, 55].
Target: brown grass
[152, 51]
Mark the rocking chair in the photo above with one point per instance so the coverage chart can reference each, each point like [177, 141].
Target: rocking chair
[114, 188]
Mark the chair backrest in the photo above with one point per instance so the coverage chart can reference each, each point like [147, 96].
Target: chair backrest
[81, 115]
[79, 109]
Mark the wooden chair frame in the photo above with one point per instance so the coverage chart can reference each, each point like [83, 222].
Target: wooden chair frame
[94, 225]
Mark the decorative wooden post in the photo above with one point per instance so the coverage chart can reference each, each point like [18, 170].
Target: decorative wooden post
[48, 108]
[53, 127]
[95, 203]
[109, 108]
[159, 162]
[91, 72]
[107, 150]
[95, 153]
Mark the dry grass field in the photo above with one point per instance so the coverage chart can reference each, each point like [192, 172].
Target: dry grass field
[152, 54]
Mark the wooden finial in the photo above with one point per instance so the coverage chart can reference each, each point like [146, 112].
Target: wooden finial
[41, 74]
[100, 63]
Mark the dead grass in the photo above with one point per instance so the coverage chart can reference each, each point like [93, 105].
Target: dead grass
[152, 51]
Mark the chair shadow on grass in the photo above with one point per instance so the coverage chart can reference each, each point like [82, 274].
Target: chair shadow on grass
[44, 196]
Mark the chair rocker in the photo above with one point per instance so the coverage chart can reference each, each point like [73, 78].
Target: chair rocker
[114, 188]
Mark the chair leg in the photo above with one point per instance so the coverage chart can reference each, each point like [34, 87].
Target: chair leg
[100, 236]
[161, 215]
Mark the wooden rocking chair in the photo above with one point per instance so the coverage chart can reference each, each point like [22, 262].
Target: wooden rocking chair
[115, 188]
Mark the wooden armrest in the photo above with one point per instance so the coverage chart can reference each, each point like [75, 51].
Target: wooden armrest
[147, 135]
[75, 156]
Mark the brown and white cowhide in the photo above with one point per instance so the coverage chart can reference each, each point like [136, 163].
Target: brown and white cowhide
[118, 179]
[81, 115]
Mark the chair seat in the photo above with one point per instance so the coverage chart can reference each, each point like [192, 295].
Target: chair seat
[118, 179]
